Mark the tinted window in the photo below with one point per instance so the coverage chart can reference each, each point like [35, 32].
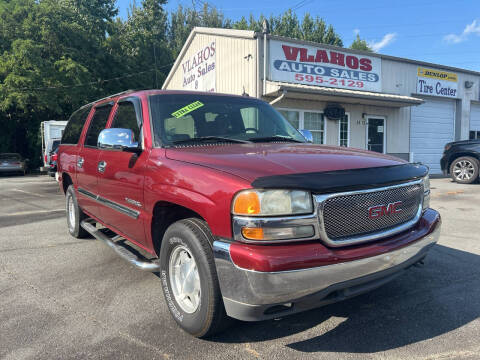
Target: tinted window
[98, 123]
[126, 118]
[74, 127]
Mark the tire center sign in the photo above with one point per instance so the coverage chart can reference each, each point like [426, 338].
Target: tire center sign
[311, 65]
[436, 83]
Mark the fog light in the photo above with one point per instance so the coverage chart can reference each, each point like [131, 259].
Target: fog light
[283, 233]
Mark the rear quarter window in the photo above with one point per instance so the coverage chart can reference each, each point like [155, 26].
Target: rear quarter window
[74, 127]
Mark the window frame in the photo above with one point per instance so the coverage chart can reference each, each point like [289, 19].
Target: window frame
[347, 114]
[92, 115]
[85, 122]
[301, 122]
[137, 104]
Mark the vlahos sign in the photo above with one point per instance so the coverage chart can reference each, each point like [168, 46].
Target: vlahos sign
[319, 66]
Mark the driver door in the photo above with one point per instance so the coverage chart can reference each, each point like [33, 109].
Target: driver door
[122, 179]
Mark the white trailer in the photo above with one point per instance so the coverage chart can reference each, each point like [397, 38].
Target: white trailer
[51, 131]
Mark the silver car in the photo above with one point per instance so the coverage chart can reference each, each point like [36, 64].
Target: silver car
[12, 163]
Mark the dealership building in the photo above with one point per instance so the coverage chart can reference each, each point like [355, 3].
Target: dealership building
[397, 106]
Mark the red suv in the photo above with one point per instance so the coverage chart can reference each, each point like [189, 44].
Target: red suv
[239, 214]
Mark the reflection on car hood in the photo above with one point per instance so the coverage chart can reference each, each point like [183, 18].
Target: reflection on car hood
[251, 161]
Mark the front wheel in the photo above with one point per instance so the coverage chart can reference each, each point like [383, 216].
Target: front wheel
[189, 278]
[464, 170]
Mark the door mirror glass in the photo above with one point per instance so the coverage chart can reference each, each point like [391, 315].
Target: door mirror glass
[307, 134]
[118, 139]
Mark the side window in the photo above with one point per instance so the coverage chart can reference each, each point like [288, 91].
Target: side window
[126, 118]
[74, 127]
[98, 123]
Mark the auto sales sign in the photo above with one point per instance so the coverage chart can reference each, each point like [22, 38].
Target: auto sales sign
[199, 69]
[309, 65]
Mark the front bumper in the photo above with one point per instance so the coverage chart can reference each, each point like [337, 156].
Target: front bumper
[252, 295]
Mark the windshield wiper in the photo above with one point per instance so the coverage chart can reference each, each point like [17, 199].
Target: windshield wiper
[274, 138]
[210, 138]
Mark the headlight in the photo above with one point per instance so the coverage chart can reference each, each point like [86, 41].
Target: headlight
[272, 202]
[426, 192]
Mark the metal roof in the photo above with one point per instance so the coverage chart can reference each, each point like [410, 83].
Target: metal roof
[321, 93]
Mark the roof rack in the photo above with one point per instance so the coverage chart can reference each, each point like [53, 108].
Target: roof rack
[110, 96]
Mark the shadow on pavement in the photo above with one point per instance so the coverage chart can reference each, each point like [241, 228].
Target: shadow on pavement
[421, 304]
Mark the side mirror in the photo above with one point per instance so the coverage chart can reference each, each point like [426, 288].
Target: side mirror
[307, 134]
[118, 139]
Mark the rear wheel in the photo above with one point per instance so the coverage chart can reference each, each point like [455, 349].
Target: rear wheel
[464, 170]
[189, 278]
[75, 215]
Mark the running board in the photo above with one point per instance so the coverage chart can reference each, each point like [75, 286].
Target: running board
[142, 264]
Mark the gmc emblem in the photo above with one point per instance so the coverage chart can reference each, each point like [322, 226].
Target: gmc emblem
[383, 210]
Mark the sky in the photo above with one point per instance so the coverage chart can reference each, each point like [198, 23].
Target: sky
[442, 32]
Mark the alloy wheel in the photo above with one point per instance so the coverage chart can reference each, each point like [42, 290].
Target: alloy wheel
[184, 279]
[463, 170]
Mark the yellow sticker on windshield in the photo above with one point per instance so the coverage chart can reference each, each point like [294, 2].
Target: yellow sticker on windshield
[187, 109]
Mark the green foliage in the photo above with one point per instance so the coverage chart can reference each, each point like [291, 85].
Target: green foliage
[359, 44]
[56, 55]
[288, 25]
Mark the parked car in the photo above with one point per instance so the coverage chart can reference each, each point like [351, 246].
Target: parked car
[53, 162]
[12, 163]
[50, 148]
[51, 132]
[461, 160]
[236, 211]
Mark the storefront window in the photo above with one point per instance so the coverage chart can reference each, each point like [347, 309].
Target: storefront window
[314, 122]
[343, 131]
[293, 117]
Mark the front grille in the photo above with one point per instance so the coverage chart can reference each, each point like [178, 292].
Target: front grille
[347, 216]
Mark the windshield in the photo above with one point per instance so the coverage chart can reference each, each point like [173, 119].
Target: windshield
[181, 118]
[10, 157]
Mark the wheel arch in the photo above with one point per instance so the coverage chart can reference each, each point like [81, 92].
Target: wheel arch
[66, 182]
[164, 214]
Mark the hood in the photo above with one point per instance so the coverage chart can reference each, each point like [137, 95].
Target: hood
[252, 161]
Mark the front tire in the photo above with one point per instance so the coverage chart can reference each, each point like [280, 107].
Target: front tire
[75, 215]
[464, 170]
[189, 278]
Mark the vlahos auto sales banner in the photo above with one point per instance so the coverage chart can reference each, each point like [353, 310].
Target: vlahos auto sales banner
[303, 64]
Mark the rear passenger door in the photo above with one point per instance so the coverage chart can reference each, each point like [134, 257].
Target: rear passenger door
[121, 182]
[87, 161]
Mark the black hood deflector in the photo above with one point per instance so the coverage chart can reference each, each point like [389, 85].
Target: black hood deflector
[343, 180]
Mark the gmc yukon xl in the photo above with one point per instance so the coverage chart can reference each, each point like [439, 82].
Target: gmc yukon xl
[240, 216]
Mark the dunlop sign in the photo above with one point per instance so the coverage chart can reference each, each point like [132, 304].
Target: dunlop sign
[437, 83]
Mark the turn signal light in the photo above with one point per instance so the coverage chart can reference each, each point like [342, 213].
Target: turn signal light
[247, 203]
[253, 233]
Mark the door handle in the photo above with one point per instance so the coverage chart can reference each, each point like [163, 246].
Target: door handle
[80, 162]
[101, 166]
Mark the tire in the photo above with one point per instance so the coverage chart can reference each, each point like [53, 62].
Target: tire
[464, 170]
[75, 215]
[201, 312]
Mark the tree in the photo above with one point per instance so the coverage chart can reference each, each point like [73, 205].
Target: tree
[359, 44]
[288, 25]
[183, 20]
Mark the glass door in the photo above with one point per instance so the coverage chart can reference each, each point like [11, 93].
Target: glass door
[376, 134]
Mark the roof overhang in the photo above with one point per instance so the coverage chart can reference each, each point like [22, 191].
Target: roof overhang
[321, 93]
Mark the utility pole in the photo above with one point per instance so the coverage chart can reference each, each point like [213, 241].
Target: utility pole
[156, 72]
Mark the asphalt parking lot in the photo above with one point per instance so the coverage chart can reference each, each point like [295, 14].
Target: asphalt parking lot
[63, 298]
